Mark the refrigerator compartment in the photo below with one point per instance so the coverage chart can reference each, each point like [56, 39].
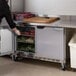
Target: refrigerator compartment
[25, 44]
[27, 30]
[25, 47]
[25, 39]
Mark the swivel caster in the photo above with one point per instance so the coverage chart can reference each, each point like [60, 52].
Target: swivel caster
[14, 58]
[63, 66]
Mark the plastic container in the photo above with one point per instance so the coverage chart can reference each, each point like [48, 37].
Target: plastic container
[72, 45]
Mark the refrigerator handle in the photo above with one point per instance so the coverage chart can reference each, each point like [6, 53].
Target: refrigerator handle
[40, 27]
[0, 38]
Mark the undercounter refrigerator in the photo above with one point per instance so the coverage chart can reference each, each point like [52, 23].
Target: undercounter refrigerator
[44, 43]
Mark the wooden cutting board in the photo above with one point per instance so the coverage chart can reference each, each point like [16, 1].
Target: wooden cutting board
[41, 19]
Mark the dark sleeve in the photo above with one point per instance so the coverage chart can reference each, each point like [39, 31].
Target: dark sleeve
[9, 19]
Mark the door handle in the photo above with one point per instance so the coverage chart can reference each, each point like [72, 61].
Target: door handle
[0, 38]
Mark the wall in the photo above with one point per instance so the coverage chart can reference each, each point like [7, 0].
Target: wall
[16, 5]
[55, 7]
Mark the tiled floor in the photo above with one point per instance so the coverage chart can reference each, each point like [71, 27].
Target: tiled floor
[31, 68]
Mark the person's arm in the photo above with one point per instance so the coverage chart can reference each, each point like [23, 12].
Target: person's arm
[7, 0]
[12, 24]
[9, 19]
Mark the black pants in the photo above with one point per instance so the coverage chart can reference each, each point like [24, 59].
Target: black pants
[5, 13]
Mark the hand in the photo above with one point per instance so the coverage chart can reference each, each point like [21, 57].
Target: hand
[16, 31]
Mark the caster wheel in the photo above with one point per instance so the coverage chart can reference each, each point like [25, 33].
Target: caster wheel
[63, 67]
[14, 58]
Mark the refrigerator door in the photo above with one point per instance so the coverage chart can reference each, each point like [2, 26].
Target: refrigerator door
[5, 41]
[50, 43]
